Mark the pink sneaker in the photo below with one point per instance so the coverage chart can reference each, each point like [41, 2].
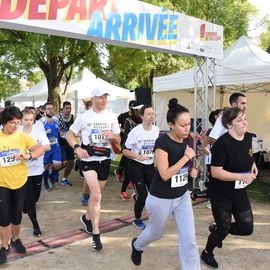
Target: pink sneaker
[124, 196]
[118, 175]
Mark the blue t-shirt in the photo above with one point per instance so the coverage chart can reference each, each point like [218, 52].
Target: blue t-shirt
[52, 129]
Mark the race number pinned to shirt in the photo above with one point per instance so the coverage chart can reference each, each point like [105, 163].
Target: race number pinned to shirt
[53, 140]
[240, 184]
[7, 158]
[63, 134]
[180, 179]
[97, 136]
[148, 150]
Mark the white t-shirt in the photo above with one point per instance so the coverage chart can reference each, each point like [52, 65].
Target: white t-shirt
[218, 129]
[91, 126]
[141, 141]
[36, 167]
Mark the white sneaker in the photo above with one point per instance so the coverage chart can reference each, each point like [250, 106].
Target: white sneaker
[208, 205]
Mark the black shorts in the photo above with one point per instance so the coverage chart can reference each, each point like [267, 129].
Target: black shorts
[67, 152]
[101, 167]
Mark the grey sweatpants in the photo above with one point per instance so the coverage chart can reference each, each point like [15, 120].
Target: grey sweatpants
[158, 211]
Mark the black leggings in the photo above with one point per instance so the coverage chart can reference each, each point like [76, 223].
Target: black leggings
[11, 205]
[33, 192]
[222, 213]
[126, 175]
[141, 176]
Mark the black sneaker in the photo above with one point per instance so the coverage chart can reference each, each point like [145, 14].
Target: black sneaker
[136, 256]
[96, 243]
[87, 224]
[212, 226]
[37, 232]
[209, 259]
[18, 246]
[3, 255]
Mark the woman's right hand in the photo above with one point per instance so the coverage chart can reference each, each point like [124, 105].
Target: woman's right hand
[189, 152]
[142, 157]
[247, 178]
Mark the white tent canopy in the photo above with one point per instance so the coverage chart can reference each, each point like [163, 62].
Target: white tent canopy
[243, 64]
[245, 67]
[38, 94]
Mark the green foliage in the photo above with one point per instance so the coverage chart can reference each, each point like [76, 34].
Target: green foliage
[131, 68]
[23, 52]
[55, 56]
[265, 36]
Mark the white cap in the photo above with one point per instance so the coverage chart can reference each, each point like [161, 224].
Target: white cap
[98, 92]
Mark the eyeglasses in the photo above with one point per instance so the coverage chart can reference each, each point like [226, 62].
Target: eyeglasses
[14, 123]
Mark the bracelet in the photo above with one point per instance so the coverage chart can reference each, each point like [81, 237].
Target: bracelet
[30, 156]
[187, 156]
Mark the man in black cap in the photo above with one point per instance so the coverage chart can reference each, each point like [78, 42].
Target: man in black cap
[121, 119]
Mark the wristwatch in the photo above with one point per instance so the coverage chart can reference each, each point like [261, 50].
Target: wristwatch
[76, 146]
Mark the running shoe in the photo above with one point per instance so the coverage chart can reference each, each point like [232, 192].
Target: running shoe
[118, 175]
[209, 259]
[129, 185]
[85, 198]
[212, 226]
[18, 246]
[124, 196]
[96, 243]
[136, 256]
[3, 255]
[138, 223]
[66, 182]
[36, 232]
[208, 205]
[134, 197]
[87, 224]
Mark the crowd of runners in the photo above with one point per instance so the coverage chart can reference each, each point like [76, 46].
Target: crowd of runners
[36, 144]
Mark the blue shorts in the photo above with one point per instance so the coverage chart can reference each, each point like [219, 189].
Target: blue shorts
[67, 152]
[53, 156]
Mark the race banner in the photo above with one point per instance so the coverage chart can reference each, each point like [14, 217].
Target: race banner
[128, 23]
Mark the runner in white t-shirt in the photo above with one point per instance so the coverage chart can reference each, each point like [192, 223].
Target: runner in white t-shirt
[139, 148]
[98, 128]
[238, 100]
[35, 168]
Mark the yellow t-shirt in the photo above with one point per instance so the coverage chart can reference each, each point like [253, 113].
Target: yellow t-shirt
[13, 173]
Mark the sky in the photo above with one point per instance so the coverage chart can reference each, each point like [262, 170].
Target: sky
[263, 7]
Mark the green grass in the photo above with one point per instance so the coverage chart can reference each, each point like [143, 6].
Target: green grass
[259, 192]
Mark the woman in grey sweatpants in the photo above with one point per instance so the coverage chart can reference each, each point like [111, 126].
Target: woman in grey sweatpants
[168, 193]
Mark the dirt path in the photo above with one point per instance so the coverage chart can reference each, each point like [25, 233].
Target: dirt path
[59, 212]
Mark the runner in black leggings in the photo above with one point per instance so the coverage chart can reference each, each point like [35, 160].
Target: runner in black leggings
[232, 169]
[139, 148]
[35, 167]
[15, 148]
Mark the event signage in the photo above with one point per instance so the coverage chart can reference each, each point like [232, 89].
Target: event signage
[127, 23]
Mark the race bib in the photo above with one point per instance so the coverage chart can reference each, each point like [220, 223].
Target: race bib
[53, 140]
[63, 134]
[148, 150]
[240, 185]
[180, 179]
[97, 136]
[7, 159]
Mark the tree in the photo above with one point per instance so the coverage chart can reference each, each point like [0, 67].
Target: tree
[55, 56]
[265, 36]
[131, 68]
